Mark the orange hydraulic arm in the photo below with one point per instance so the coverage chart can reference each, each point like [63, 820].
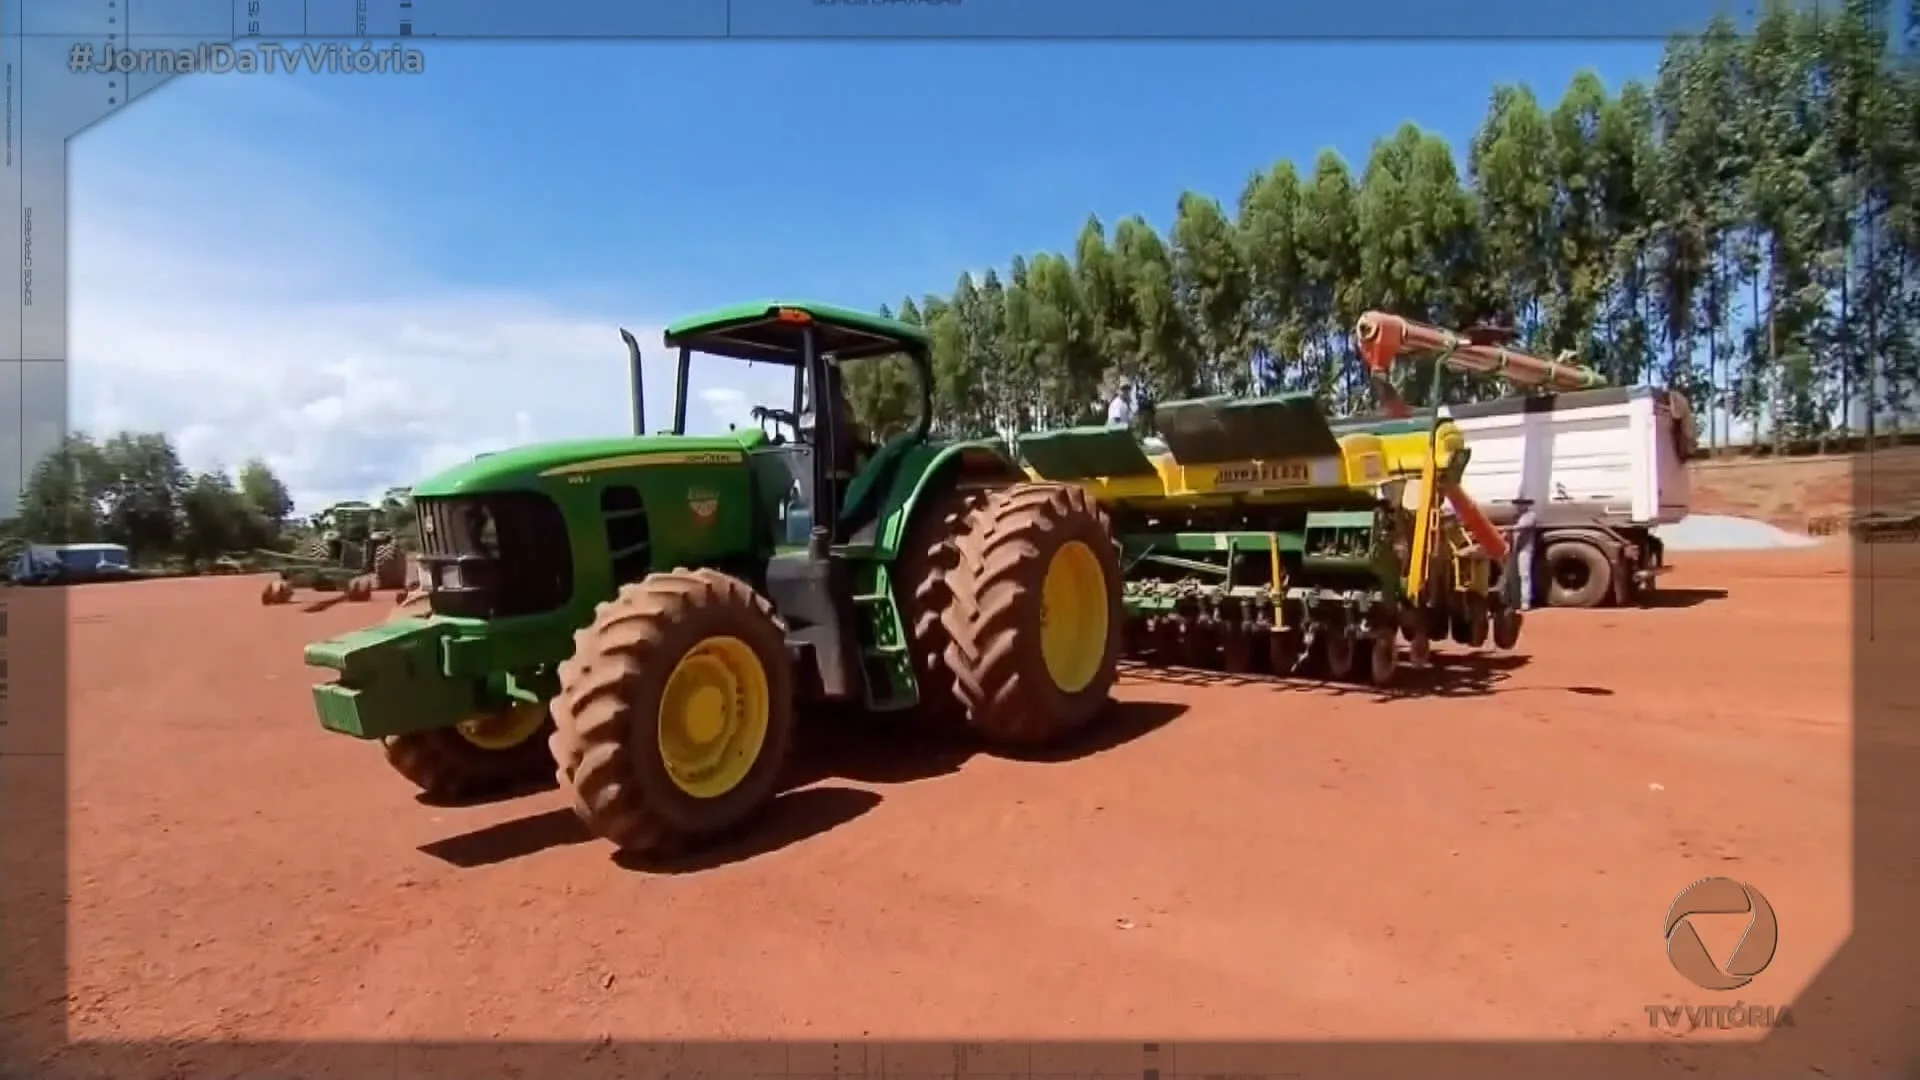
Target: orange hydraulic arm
[1386, 338]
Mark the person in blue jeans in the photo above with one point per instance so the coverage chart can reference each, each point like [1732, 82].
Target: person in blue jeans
[1526, 549]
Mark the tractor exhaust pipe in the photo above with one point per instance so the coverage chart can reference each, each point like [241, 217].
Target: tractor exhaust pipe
[639, 385]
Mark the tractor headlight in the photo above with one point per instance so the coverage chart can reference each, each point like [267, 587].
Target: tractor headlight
[450, 576]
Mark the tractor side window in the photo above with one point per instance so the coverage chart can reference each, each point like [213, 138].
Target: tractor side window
[882, 397]
[629, 541]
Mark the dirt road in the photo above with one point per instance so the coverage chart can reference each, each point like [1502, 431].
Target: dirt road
[1254, 861]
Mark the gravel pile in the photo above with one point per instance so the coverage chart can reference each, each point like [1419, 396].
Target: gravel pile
[1716, 532]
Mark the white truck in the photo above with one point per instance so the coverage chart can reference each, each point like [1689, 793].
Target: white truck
[1603, 468]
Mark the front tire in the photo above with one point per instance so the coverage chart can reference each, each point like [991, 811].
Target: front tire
[483, 756]
[480, 756]
[675, 714]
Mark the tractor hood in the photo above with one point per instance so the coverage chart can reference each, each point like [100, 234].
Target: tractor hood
[532, 466]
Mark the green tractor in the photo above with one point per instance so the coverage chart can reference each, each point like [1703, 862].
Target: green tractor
[648, 614]
[352, 552]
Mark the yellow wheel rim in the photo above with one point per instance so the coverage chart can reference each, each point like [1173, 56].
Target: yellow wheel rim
[503, 730]
[1073, 616]
[714, 714]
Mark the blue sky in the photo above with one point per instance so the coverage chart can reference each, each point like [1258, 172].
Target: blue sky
[366, 277]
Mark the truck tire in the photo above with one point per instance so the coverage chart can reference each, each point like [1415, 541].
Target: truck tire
[1036, 615]
[1579, 575]
[480, 757]
[675, 713]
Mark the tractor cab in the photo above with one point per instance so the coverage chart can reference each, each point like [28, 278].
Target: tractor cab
[818, 477]
[817, 485]
[352, 520]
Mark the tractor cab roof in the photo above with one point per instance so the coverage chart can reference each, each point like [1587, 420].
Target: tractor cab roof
[769, 331]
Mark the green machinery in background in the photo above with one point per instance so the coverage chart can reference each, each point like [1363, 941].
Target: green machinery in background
[352, 552]
[643, 615]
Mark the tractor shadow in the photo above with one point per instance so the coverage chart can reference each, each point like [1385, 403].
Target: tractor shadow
[325, 601]
[508, 840]
[532, 785]
[1448, 675]
[871, 750]
[788, 819]
[792, 817]
[314, 601]
[856, 749]
[381, 604]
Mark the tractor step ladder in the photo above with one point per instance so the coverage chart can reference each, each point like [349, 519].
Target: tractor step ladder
[885, 661]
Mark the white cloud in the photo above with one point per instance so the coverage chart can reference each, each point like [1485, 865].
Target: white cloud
[346, 375]
[725, 401]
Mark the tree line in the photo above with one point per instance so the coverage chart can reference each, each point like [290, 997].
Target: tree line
[1744, 228]
[132, 489]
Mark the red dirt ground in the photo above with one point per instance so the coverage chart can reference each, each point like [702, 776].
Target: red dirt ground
[1252, 861]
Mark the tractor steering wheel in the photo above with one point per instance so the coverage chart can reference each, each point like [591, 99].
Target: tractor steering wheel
[764, 415]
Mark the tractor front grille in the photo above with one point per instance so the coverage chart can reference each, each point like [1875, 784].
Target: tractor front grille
[494, 556]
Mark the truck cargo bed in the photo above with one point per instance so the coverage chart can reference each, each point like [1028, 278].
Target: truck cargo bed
[1616, 456]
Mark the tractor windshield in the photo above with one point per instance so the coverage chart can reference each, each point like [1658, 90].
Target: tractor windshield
[868, 400]
[873, 369]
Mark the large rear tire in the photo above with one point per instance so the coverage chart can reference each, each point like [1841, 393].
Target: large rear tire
[675, 713]
[1036, 615]
[922, 588]
[390, 566]
[481, 756]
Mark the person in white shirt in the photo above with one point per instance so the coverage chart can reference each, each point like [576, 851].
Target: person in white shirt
[1120, 409]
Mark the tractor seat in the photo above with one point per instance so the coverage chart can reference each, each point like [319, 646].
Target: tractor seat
[876, 465]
